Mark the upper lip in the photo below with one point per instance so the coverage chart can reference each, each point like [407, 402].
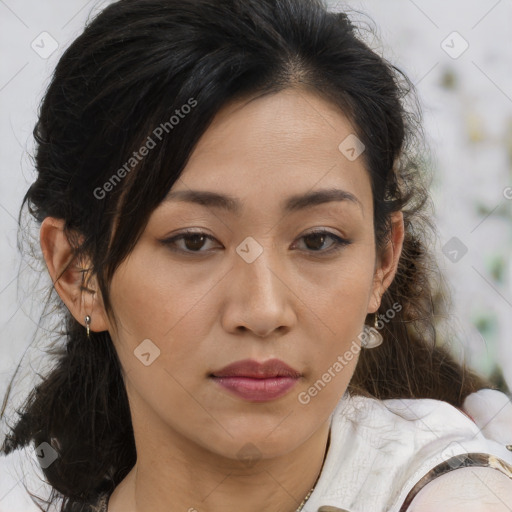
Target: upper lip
[254, 369]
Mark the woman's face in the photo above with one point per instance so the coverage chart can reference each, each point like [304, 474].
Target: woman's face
[257, 286]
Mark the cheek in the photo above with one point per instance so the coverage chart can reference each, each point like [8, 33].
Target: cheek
[169, 304]
[152, 299]
[177, 307]
[337, 302]
[339, 293]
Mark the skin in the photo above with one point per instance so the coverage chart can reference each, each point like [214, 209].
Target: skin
[206, 311]
[466, 490]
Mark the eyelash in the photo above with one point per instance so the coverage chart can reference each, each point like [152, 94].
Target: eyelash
[338, 244]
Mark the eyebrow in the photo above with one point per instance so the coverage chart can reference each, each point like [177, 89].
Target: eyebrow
[292, 203]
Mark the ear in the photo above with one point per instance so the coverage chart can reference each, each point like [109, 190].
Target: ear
[79, 291]
[387, 263]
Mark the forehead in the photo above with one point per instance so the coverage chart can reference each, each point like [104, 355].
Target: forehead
[277, 145]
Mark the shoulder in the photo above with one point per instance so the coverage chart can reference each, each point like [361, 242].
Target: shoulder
[491, 410]
[405, 418]
[396, 447]
[478, 489]
[402, 410]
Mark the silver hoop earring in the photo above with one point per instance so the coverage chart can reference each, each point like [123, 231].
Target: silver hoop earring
[88, 325]
[373, 337]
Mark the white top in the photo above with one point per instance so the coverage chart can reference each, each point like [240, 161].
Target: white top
[380, 449]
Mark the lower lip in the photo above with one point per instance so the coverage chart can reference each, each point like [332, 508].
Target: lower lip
[257, 390]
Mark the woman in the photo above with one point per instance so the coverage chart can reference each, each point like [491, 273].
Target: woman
[233, 214]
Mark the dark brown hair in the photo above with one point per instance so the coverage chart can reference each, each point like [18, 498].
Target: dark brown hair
[135, 65]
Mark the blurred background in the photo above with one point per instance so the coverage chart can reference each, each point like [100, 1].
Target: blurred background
[457, 54]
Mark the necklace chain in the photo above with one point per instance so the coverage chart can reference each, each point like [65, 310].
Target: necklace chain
[104, 501]
[301, 506]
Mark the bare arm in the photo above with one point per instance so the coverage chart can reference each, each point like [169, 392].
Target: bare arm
[476, 489]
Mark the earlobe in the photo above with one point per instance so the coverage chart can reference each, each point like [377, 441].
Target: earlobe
[80, 297]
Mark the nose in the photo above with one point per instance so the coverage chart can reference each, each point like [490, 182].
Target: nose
[260, 299]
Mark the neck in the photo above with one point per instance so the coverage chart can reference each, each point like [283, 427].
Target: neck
[177, 474]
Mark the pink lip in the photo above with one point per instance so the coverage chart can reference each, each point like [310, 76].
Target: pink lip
[257, 382]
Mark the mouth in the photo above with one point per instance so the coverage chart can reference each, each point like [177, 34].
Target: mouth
[257, 382]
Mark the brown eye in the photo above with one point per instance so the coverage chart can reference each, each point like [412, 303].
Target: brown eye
[315, 242]
[193, 242]
[317, 239]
